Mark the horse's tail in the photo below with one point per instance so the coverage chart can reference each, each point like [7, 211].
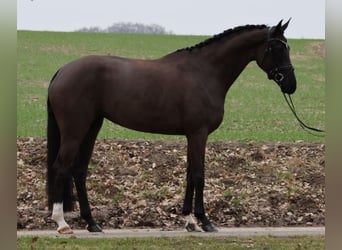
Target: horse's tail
[53, 144]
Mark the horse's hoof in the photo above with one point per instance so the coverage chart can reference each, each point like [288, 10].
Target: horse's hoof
[94, 228]
[192, 227]
[191, 224]
[210, 228]
[65, 230]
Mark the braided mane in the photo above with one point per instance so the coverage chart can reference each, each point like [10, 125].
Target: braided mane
[225, 34]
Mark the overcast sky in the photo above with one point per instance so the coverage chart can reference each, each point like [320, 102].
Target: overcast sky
[197, 17]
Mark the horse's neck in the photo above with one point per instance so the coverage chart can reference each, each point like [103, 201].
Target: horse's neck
[229, 57]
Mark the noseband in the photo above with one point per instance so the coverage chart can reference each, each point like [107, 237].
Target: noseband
[278, 73]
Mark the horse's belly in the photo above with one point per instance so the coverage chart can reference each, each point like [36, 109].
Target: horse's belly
[170, 122]
[148, 122]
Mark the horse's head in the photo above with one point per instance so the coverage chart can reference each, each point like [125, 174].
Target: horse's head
[274, 59]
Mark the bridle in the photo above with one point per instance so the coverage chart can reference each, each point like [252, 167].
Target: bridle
[278, 74]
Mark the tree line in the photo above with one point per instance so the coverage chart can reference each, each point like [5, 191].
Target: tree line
[128, 27]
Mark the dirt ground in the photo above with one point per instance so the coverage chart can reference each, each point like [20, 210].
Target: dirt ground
[140, 184]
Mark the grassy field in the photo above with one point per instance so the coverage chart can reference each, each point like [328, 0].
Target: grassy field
[264, 243]
[254, 108]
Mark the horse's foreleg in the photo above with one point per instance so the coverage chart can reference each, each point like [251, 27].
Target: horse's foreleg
[189, 192]
[191, 224]
[196, 156]
[207, 226]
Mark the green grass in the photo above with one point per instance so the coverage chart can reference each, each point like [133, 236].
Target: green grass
[233, 243]
[254, 108]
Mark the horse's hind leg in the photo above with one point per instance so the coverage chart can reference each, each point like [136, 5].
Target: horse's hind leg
[80, 174]
[63, 167]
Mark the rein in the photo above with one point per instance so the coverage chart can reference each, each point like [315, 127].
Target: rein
[305, 127]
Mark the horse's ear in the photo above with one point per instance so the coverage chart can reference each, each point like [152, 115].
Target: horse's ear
[279, 24]
[280, 28]
[283, 28]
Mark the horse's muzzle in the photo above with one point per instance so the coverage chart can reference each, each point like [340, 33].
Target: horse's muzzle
[284, 76]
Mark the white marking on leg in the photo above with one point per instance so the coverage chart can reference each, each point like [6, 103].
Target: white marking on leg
[58, 216]
[191, 224]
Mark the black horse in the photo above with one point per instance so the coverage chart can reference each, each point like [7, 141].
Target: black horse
[182, 93]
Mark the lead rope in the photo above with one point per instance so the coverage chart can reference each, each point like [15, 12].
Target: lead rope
[301, 123]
